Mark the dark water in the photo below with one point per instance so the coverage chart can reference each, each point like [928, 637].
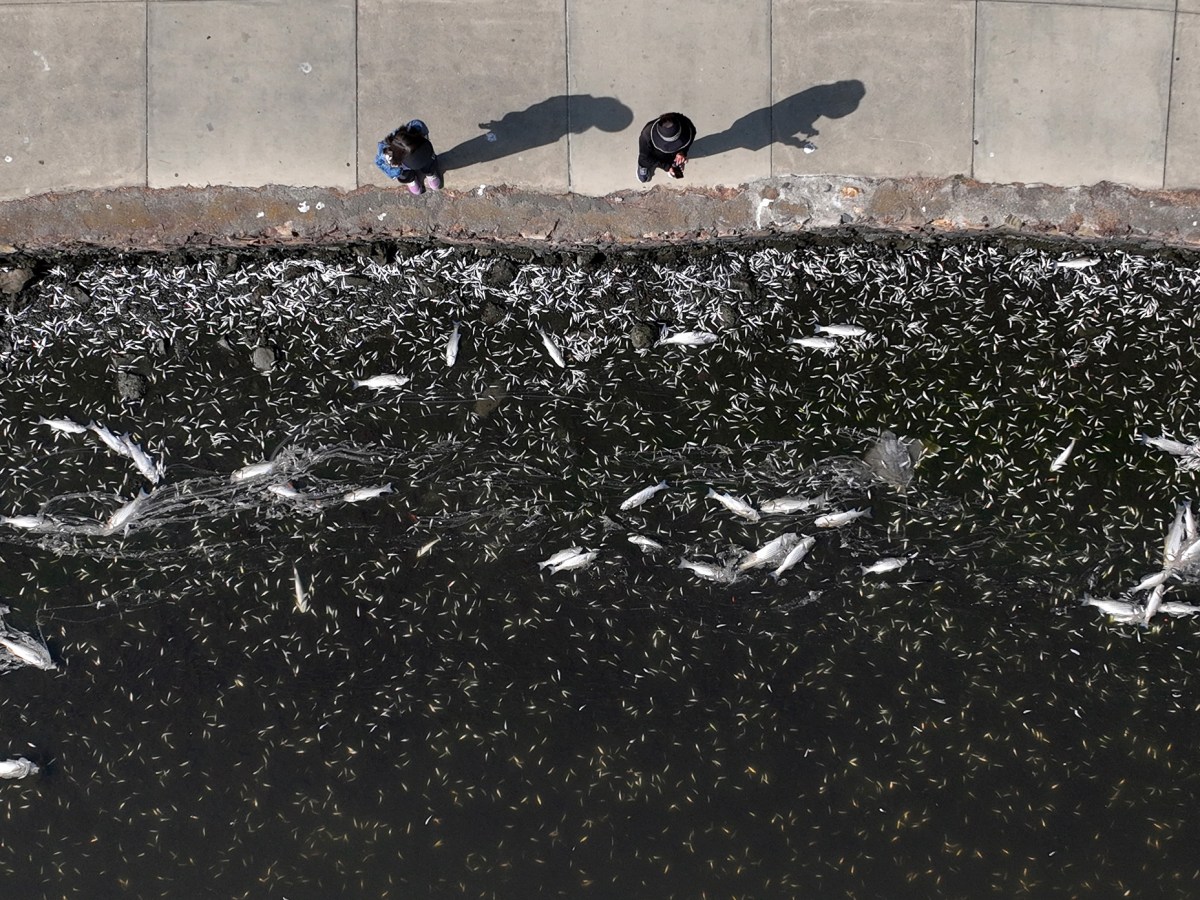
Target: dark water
[460, 722]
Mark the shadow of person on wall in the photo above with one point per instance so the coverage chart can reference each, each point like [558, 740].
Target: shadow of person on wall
[791, 121]
[541, 124]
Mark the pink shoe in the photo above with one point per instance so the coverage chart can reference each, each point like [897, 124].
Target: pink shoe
[433, 182]
[414, 187]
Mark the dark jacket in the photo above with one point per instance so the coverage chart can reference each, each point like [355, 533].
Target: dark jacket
[422, 158]
[652, 154]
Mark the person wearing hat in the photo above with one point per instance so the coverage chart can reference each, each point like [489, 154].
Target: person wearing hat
[664, 144]
[407, 155]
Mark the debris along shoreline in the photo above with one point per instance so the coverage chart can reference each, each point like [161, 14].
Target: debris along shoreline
[279, 216]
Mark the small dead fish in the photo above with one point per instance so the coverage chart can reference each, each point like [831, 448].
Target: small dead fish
[367, 493]
[301, 593]
[785, 505]
[1061, 459]
[846, 331]
[888, 564]
[17, 768]
[452, 346]
[63, 426]
[647, 544]
[427, 546]
[735, 505]
[708, 571]
[690, 338]
[835, 520]
[795, 555]
[560, 556]
[769, 552]
[815, 343]
[382, 382]
[1079, 262]
[254, 470]
[578, 561]
[552, 349]
[31, 652]
[643, 495]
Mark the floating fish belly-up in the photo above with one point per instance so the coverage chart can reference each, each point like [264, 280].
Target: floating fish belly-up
[784, 505]
[815, 343]
[28, 650]
[113, 442]
[795, 555]
[552, 349]
[1121, 610]
[368, 493]
[836, 520]
[150, 470]
[690, 338]
[559, 557]
[381, 382]
[769, 552]
[844, 331]
[578, 561]
[17, 768]
[452, 346]
[27, 522]
[643, 495]
[301, 594]
[735, 505]
[1176, 448]
[1082, 262]
[888, 564]
[286, 490]
[1061, 459]
[254, 470]
[708, 571]
[647, 544]
[125, 514]
[63, 426]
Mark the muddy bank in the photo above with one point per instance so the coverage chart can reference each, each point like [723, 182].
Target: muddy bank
[277, 216]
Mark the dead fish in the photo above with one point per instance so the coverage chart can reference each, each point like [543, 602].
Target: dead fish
[114, 443]
[845, 331]
[888, 564]
[17, 768]
[647, 544]
[795, 555]
[301, 594]
[552, 349]
[285, 490]
[452, 346]
[690, 338]
[367, 493]
[1174, 539]
[29, 651]
[1152, 604]
[1061, 459]
[382, 382]
[1079, 262]
[63, 426]
[560, 556]
[785, 505]
[126, 513]
[643, 495]
[427, 546]
[735, 505]
[708, 571]
[25, 521]
[836, 520]
[578, 561]
[150, 470]
[1177, 608]
[769, 552]
[1151, 581]
[815, 343]
[1121, 610]
[254, 470]
[1177, 448]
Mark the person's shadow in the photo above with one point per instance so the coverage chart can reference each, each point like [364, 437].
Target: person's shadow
[541, 124]
[791, 121]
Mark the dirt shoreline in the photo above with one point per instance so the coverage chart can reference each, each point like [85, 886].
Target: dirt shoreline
[142, 220]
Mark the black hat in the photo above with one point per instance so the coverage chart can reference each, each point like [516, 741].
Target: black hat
[666, 135]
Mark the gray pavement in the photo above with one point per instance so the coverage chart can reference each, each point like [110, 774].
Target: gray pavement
[549, 95]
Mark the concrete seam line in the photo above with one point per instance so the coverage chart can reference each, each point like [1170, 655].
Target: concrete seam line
[1170, 92]
[974, 87]
[771, 88]
[567, 85]
[357, 100]
[146, 98]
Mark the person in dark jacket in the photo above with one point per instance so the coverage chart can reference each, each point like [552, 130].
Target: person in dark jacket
[663, 144]
[407, 155]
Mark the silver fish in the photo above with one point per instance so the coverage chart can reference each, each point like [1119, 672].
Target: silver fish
[1080, 262]
[815, 343]
[1176, 608]
[647, 544]
[708, 571]
[427, 546]
[285, 490]
[735, 505]
[63, 426]
[769, 552]
[795, 555]
[690, 338]
[150, 470]
[301, 594]
[785, 505]
[578, 561]
[1120, 610]
[380, 382]
[1178, 448]
[125, 513]
[1061, 459]
[25, 521]
[452, 346]
[254, 470]
[643, 495]
[1155, 601]
[115, 443]
[552, 349]
[847, 331]
[888, 564]
[835, 520]
[368, 493]
[17, 768]
[559, 557]
[1174, 540]
[29, 651]
[1151, 581]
